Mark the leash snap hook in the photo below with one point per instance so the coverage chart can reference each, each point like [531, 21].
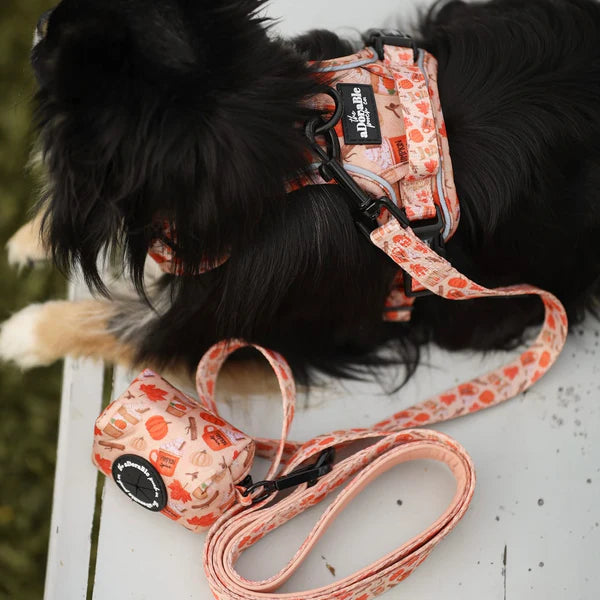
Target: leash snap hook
[310, 474]
[365, 208]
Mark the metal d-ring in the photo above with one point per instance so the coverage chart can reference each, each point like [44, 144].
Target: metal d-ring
[337, 112]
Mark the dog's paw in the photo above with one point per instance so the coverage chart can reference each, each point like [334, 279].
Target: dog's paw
[25, 248]
[19, 339]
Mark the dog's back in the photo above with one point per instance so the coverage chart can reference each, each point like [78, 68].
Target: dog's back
[520, 84]
[206, 135]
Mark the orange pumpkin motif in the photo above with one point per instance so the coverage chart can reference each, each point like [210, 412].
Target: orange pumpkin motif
[448, 399]
[487, 397]
[457, 282]
[422, 417]
[545, 359]
[157, 427]
[415, 135]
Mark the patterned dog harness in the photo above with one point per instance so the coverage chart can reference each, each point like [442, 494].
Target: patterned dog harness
[387, 133]
[385, 143]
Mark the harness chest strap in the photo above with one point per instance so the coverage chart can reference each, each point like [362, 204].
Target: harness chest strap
[241, 527]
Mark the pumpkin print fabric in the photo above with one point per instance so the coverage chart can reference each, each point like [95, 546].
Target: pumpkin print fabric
[394, 442]
[411, 165]
[199, 456]
[241, 527]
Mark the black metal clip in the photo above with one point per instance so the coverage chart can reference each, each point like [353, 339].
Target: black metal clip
[430, 232]
[310, 474]
[365, 208]
[380, 38]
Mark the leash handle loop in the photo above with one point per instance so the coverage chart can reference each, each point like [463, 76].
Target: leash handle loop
[246, 523]
[206, 376]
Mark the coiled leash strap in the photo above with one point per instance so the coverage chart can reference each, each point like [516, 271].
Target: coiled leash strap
[394, 442]
[254, 516]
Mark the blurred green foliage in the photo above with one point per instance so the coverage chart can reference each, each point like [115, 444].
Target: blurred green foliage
[29, 401]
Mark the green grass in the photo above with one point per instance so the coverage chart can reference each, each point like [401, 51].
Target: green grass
[29, 401]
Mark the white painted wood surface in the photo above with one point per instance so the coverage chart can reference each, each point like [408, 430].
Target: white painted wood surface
[538, 496]
[537, 500]
[74, 496]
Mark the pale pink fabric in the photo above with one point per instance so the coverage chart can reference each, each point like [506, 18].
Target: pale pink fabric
[242, 526]
[198, 455]
[414, 144]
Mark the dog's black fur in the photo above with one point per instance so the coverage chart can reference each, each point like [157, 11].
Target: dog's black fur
[189, 110]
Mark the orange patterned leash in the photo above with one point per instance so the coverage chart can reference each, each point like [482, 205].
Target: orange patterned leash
[438, 275]
[246, 523]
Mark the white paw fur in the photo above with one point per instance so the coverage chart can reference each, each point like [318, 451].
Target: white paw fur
[19, 342]
[25, 247]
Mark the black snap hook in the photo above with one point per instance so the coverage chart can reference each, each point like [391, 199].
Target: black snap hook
[310, 474]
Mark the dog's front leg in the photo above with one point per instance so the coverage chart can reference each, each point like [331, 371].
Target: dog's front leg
[43, 333]
[26, 248]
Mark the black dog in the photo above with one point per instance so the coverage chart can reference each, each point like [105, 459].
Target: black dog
[190, 111]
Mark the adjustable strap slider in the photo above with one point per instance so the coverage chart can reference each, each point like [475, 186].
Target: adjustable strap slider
[380, 38]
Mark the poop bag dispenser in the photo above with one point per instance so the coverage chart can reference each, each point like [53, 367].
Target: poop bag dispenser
[170, 455]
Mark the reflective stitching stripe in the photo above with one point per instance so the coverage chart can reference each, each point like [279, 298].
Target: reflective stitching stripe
[350, 65]
[379, 180]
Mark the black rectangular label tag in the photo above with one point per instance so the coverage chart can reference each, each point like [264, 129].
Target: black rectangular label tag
[359, 119]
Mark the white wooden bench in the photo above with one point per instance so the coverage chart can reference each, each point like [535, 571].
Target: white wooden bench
[533, 527]
[536, 506]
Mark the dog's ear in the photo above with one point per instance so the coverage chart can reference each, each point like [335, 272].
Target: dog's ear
[169, 109]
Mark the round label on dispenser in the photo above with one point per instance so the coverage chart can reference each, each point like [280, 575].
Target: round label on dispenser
[137, 478]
